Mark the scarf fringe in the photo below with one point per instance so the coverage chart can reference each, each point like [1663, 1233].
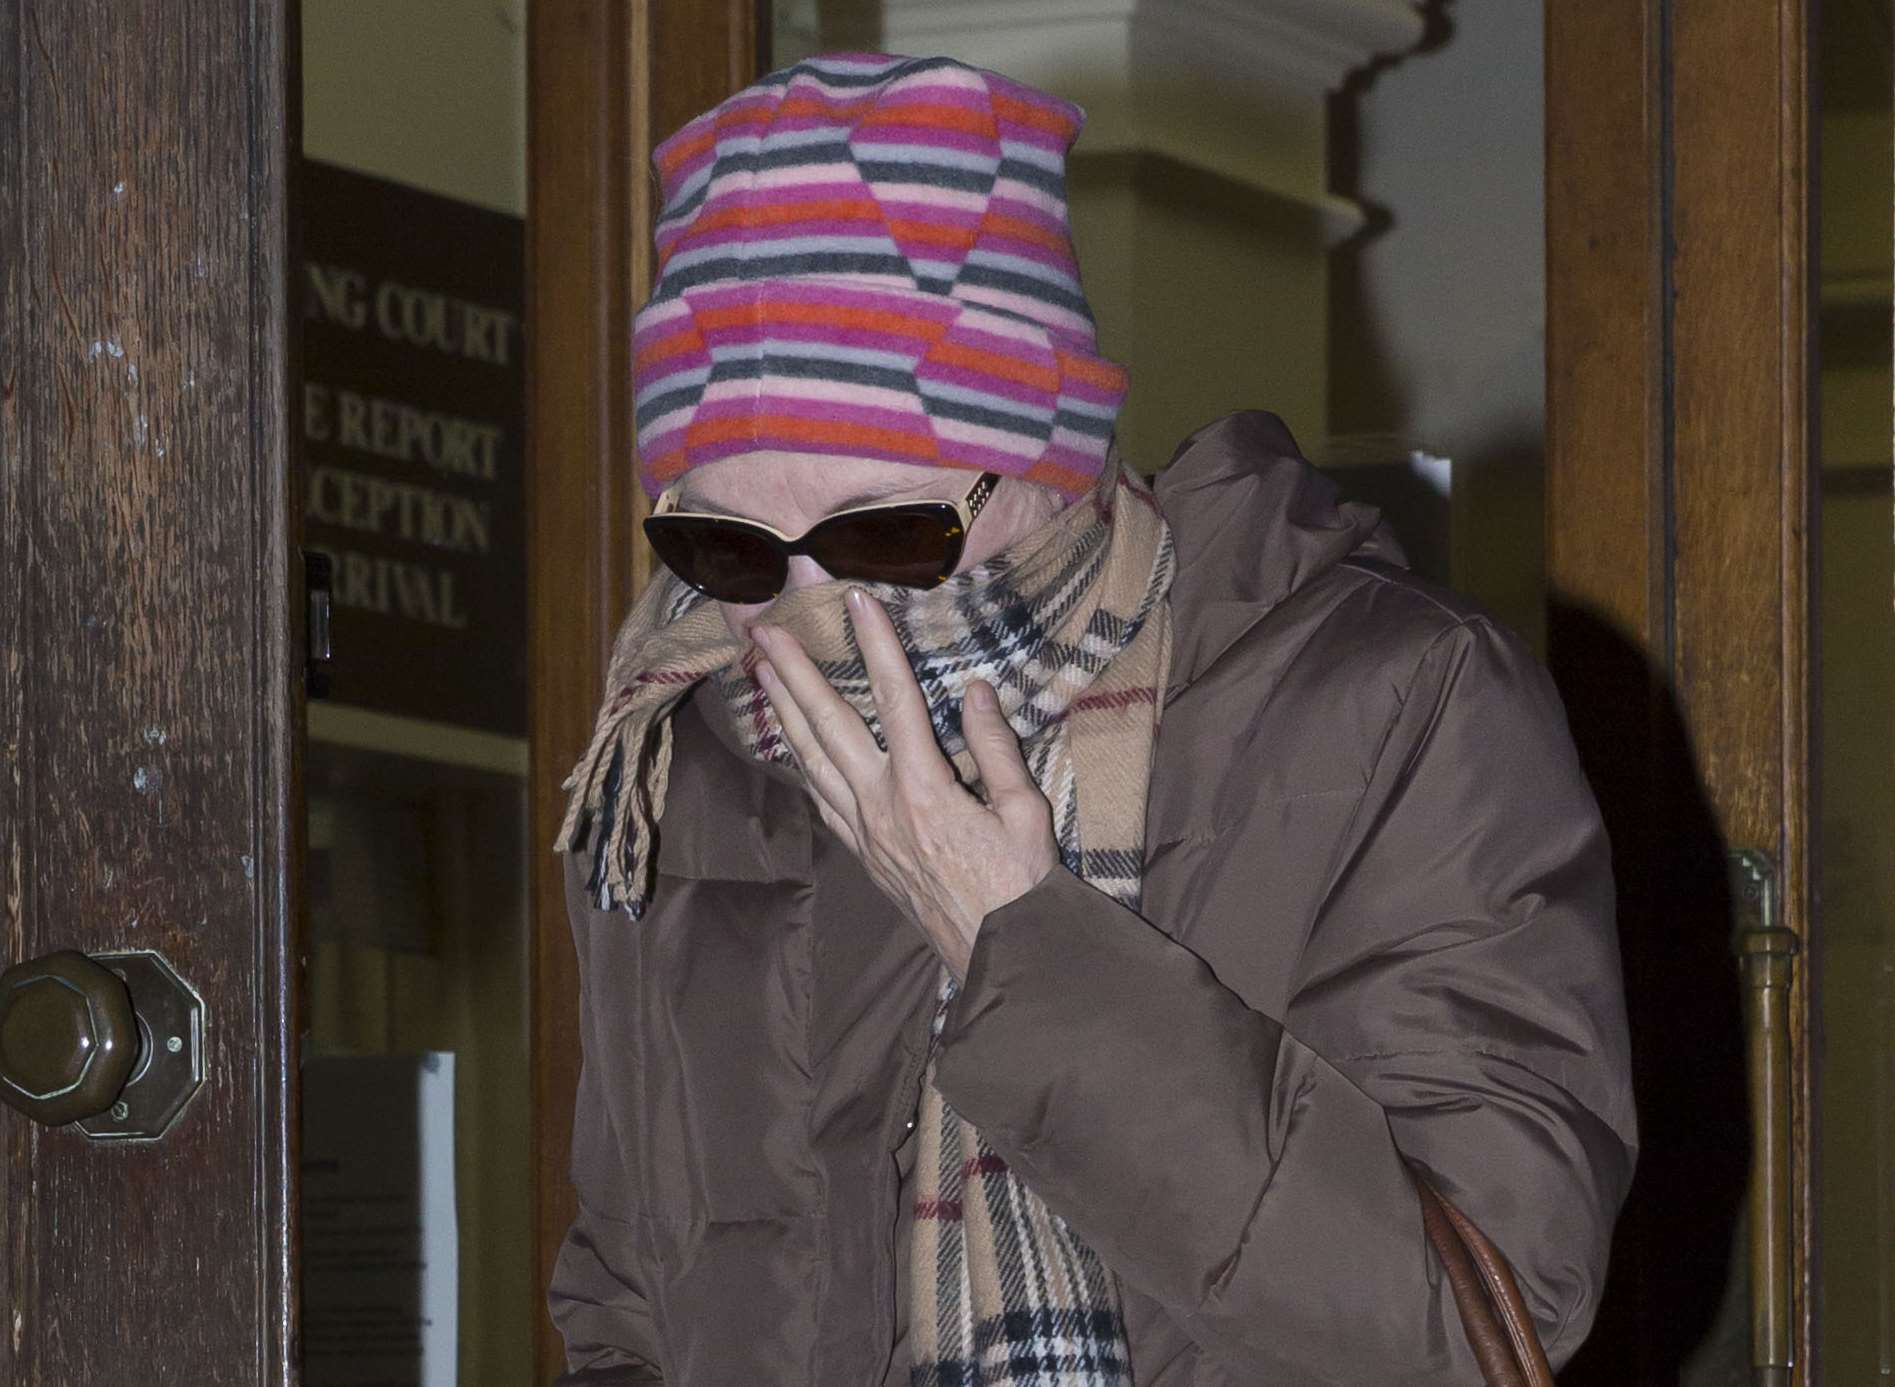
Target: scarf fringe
[671, 640]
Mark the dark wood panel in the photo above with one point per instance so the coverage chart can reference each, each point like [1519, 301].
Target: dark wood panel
[608, 79]
[1730, 405]
[1678, 459]
[150, 714]
[1607, 623]
[1744, 454]
[1607, 630]
[18, 1283]
[1605, 431]
[699, 55]
[579, 284]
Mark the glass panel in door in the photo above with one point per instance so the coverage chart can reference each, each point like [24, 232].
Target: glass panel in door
[418, 1257]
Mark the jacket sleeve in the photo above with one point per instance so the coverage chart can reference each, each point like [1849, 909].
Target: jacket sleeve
[1462, 971]
[594, 1297]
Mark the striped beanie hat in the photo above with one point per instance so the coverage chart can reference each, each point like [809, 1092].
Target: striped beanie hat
[869, 256]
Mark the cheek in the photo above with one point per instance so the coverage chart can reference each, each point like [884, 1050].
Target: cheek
[738, 618]
[1021, 513]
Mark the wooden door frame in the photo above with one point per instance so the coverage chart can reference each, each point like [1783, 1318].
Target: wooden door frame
[607, 80]
[1680, 449]
[1679, 456]
[151, 658]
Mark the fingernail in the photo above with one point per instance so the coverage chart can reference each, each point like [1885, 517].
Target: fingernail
[858, 599]
[762, 635]
[766, 675]
[983, 695]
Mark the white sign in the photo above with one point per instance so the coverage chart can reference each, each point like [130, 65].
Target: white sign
[380, 1242]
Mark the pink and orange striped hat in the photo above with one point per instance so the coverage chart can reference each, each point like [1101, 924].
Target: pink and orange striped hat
[869, 256]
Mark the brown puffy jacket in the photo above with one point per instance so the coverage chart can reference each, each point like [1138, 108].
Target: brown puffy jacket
[1377, 925]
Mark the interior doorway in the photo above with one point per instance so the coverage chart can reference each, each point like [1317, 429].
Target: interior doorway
[1401, 257]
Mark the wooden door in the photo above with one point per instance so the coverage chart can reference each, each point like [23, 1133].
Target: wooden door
[1679, 469]
[607, 81]
[150, 669]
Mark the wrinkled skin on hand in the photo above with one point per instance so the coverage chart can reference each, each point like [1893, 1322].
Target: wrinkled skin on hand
[945, 857]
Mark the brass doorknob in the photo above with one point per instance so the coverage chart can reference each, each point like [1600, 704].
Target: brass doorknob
[68, 1038]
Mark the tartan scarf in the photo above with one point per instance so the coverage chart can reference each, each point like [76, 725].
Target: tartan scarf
[1072, 629]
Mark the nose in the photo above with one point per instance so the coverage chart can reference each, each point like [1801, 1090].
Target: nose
[804, 572]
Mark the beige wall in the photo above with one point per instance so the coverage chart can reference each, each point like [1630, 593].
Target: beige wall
[1210, 292]
[431, 93]
[1437, 314]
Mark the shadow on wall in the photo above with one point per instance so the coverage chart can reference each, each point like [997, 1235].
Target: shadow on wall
[1366, 393]
[1491, 537]
[1674, 1302]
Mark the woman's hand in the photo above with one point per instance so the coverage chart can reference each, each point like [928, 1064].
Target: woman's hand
[934, 848]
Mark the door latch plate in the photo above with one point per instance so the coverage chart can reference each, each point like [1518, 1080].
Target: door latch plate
[170, 1065]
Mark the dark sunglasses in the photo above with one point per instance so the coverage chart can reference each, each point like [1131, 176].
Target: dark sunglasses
[913, 544]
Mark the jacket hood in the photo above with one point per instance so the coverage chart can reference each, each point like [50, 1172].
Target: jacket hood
[1255, 523]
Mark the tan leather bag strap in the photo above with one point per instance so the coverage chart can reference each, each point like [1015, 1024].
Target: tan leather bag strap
[1505, 1343]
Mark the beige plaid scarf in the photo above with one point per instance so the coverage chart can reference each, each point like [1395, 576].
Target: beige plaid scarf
[1071, 628]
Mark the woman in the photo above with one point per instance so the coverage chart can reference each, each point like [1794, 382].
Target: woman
[1032, 930]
